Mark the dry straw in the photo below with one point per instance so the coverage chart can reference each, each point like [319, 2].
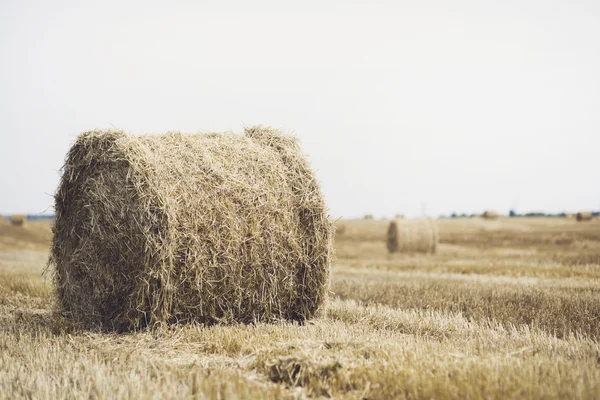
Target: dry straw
[175, 228]
[368, 217]
[412, 236]
[584, 216]
[490, 214]
[18, 219]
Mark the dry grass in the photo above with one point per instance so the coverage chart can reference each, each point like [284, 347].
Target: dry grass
[554, 306]
[35, 235]
[500, 311]
[172, 228]
[365, 230]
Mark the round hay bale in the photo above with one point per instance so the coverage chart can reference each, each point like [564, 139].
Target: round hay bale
[175, 228]
[368, 217]
[18, 219]
[399, 216]
[489, 214]
[584, 216]
[340, 229]
[412, 236]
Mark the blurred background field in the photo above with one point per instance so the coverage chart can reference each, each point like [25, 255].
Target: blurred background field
[505, 308]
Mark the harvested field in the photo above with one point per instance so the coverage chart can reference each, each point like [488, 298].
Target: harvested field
[505, 308]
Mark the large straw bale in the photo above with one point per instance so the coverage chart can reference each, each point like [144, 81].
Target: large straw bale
[175, 228]
[412, 236]
[18, 219]
[584, 216]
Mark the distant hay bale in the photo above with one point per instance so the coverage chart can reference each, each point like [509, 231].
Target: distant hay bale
[488, 214]
[161, 229]
[399, 216]
[18, 219]
[340, 229]
[584, 216]
[412, 236]
[368, 217]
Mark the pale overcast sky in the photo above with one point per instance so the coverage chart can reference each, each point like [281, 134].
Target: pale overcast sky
[458, 105]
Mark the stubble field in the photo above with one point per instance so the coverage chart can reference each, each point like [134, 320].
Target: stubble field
[508, 308]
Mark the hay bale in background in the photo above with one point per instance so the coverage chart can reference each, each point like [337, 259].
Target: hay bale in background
[340, 228]
[489, 214]
[584, 216]
[399, 216]
[412, 236]
[368, 217]
[176, 228]
[18, 219]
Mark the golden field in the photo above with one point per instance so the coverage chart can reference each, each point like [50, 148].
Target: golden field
[506, 308]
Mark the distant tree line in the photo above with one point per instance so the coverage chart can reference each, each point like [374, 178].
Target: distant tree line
[514, 214]
[33, 217]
